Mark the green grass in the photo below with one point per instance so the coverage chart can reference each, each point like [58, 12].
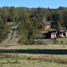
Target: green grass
[22, 62]
[28, 60]
[59, 41]
[62, 40]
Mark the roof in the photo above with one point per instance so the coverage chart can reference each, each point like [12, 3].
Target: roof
[46, 22]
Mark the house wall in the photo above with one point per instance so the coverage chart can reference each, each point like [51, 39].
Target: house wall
[46, 26]
[53, 35]
[66, 34]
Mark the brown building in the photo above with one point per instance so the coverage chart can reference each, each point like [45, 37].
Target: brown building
[46, 25]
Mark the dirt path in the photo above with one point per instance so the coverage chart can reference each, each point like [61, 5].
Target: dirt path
[12, 39]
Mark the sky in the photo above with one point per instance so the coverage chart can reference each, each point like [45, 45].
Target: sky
[34, 3]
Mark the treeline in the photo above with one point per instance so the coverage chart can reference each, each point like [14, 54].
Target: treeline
[30, 20]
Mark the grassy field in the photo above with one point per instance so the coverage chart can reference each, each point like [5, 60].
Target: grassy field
[61, 43]
[28, 63]
[50, 46]
[34, 60]
[33, 63]
[28, 60]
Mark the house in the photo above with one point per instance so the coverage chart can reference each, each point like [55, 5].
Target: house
[65, 33]
[50, 35]
[53, 35]
[46, 25]
[62, 33]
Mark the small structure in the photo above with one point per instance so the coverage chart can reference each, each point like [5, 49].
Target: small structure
[61, 33]
[65, 33]
[50, 35]
[53, 35]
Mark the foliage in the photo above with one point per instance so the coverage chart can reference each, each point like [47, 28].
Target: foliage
[26, 29]
[29, 20]
[3, 30]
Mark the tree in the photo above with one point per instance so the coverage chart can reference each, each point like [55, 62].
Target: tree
[65, 19]
[3, 30]
[14, 14]
[4, 13]
[26, 29]
[56, 19]
[39, 15]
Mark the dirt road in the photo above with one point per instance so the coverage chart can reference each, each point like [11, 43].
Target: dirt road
[12, 39]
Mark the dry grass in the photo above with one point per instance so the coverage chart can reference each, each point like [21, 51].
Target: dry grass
[28, 60]
[34, 60]
[51, 46]
[60, 59]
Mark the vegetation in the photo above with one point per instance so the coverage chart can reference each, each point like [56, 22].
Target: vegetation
[33, 60]
[29, 21]
[26, 29]
[3, 30]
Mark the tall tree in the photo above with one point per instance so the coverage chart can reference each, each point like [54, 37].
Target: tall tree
[56, 19]
[65, 19]
[14, 14]
[3, 30]
[26, 29]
